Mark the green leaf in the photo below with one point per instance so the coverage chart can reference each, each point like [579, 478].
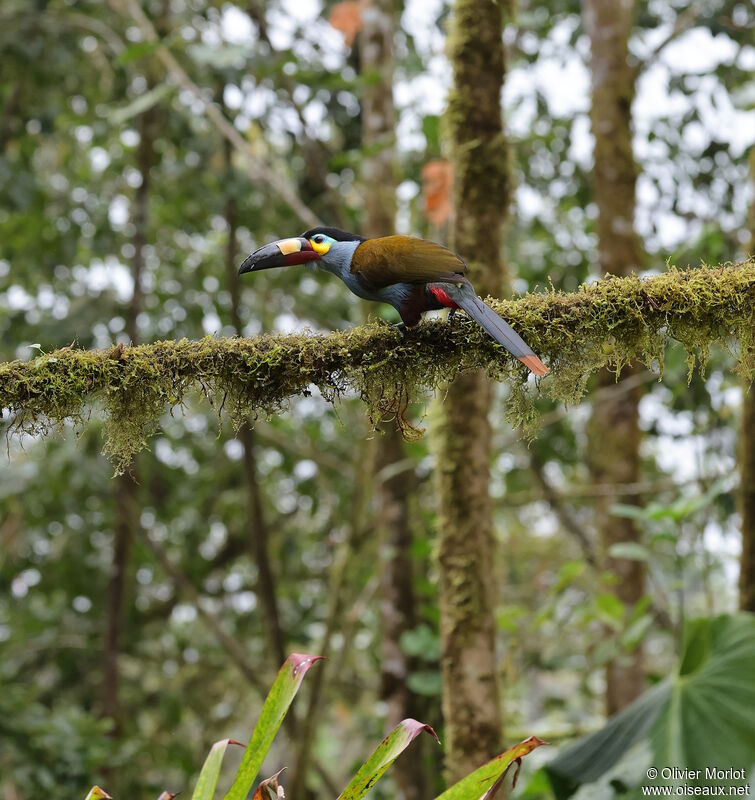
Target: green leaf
[708, 721]
[629, 550]
[484, 783]
[610, 607]
[386, 753]
[223, 57]
[698, 718]
[663, 536]
[427, 682]
[635, 632]
[538, 786]
[590, 757]
[136, 51]
[568, 573]
[421, 642]
[509, 618]
[95, 793]
[431, 129]
[276, 705]
[139, 105]
[697, 646]
[656, 512]
[633, 512]
[208, 777]
[687, 506]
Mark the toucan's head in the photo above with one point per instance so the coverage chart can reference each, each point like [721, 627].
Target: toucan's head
[315, 244]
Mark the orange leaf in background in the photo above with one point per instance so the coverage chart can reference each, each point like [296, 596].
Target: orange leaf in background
[347, 18]
[437, 180]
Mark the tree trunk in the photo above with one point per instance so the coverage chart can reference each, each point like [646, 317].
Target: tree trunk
[613, 434]
[397, 601]
[126, 510]
[471, 711]
[126, 487]
[747, 499]
[258, 530]
[747, 461]
[378, 118]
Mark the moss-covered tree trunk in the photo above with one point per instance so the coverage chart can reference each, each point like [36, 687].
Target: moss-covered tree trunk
[397, 601]
[747, 460]
[471, 709]
[614, 434]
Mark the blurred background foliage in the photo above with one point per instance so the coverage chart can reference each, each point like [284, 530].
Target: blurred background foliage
[110, 167]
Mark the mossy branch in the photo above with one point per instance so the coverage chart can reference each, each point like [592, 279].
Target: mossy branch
[608, 323]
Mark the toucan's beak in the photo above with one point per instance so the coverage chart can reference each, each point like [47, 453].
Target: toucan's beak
[283, 253]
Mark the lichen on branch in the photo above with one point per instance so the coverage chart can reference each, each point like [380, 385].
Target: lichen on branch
[608, 323]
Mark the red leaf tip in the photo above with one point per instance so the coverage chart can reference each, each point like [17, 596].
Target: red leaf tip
[415, 727]
[301, 662]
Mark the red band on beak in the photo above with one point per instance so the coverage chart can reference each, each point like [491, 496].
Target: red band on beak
[302, 257]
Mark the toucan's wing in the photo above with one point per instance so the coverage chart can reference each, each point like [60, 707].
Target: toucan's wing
[388, 260]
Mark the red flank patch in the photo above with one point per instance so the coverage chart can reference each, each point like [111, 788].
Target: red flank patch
[442, 297]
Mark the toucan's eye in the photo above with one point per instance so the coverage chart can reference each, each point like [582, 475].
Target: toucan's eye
[319, 238]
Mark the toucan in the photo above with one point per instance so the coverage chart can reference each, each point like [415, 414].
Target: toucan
[411, 274]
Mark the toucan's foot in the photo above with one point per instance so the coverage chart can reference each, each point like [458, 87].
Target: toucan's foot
[400, 327]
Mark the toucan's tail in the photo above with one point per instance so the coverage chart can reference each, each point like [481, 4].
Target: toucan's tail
[497, 327]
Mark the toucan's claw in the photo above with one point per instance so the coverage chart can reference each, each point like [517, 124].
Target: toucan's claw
[401, 328]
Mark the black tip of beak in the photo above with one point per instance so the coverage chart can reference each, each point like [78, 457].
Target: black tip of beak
[257, 261]
[284, 253]
[247, 265]
[266, 257]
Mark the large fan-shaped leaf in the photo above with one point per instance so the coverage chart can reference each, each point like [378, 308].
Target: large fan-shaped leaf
[590, 757]
[699, 718]
[709, 720]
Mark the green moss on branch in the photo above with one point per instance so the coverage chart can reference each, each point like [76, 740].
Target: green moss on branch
[611, 323]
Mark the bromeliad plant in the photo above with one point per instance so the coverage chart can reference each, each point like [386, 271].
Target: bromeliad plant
[491, 780]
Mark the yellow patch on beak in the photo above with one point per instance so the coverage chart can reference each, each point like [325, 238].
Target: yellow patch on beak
[320, 247]
[288, 246]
